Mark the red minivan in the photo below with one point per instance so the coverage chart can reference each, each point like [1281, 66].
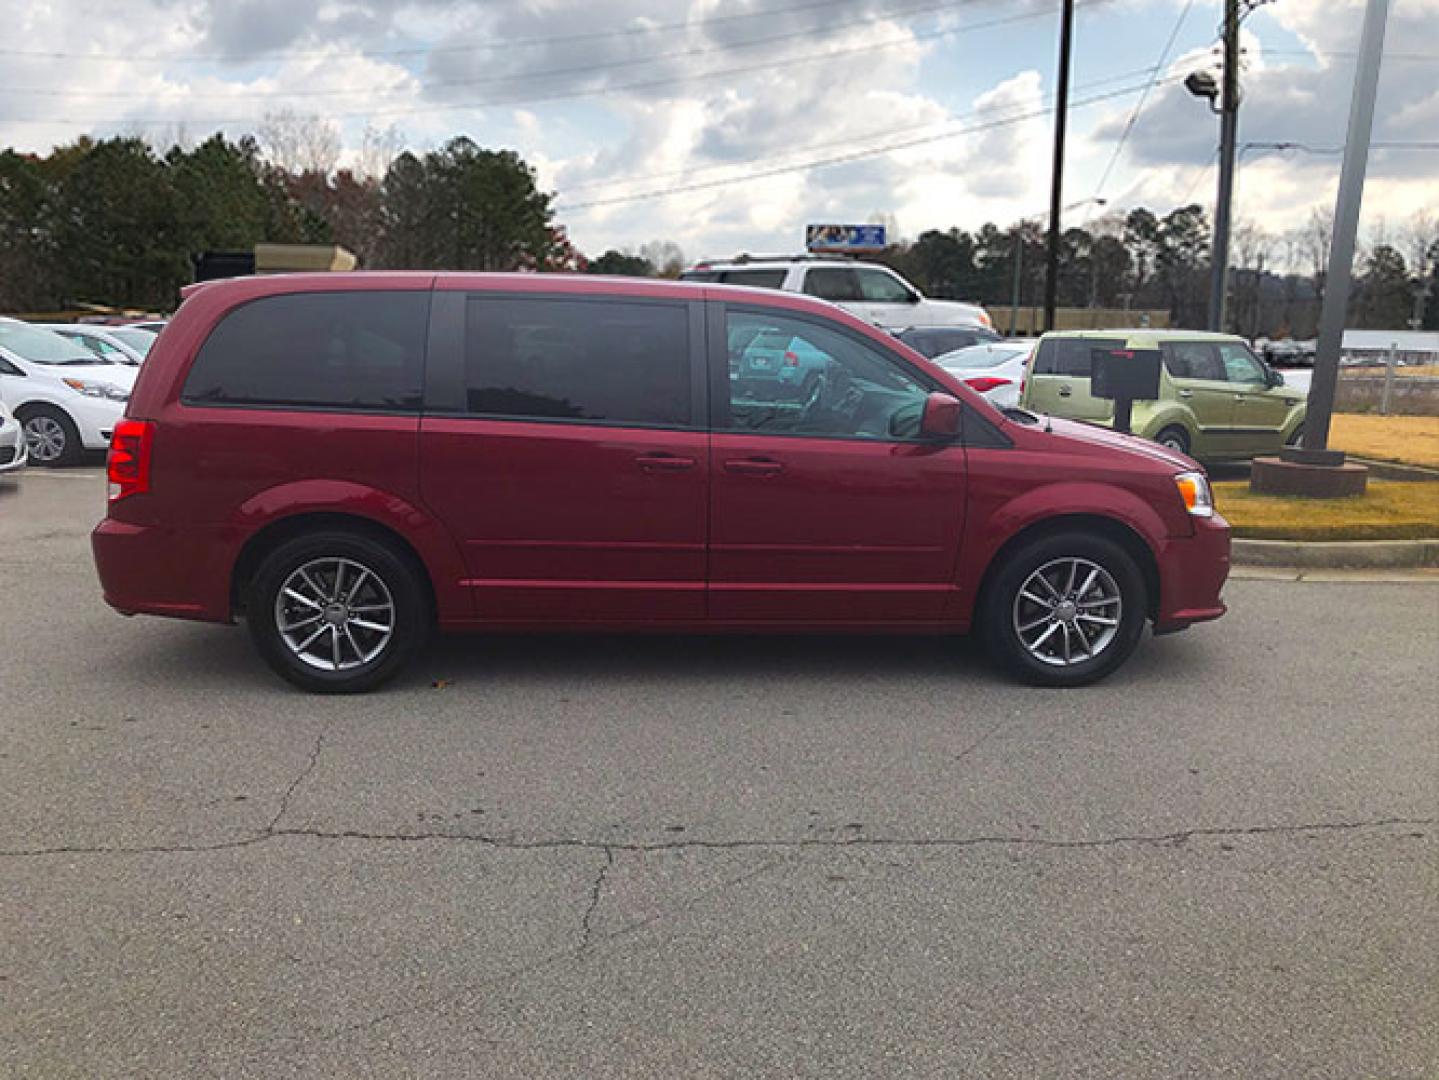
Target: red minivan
[348, 460]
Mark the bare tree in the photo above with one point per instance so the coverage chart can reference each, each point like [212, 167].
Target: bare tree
[378, 147]
[665, 256]
[300, 144]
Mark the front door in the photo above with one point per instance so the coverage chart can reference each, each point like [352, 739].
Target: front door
[1259, 409]
[827, 506]
[564, 448]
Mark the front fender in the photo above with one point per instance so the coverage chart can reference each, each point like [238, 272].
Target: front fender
[431, 540]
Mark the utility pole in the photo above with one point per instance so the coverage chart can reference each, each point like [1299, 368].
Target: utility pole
[1346, 226]
[1056, 189]
[1228, 140]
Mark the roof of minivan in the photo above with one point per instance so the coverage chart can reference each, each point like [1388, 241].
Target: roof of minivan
[1145, 332]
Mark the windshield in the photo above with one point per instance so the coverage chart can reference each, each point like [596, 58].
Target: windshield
[137, 338]
[44, 346]
[980, 356]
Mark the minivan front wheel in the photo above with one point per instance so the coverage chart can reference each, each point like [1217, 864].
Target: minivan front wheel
[1065, 610]
[336, 612]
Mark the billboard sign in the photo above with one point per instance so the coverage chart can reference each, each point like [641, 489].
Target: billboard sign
[843, 238]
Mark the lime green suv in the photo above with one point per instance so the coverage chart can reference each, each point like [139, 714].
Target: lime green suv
[1217, 400]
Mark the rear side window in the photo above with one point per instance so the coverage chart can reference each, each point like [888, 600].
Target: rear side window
[1070, 356]
[1192, 360]
[768, 278]
[700, 275]
[611, 361]
[362, 350]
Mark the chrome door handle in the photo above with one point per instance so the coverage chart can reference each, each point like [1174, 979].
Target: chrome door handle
[1186, 393]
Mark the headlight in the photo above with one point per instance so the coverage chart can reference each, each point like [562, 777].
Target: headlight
[985, 319]
[1194, 490]
[104, 390]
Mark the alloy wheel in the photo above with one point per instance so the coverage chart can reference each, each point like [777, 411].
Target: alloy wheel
[44, 439]
[1068, 612]
[335, 614]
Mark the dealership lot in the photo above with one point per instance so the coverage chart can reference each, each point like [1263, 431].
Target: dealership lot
[817, 857]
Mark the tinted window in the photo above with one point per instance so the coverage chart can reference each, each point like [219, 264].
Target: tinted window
[769, 278]
[877, 287]
[835, 283]
[1193, 360]
[932, 342]
[609, 361]
[792, 376]
[343, 350]
[700, 275]
[1070, 356]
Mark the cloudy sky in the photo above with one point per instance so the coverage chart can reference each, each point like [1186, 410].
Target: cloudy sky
[725, 125]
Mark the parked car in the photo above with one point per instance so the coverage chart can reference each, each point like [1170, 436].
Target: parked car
[149, 326]
[933, 341]
[1217, 400]
[12, 442]
[345, 460]
[67, 399]
[871, 291]
[105, 341]
[995, 370]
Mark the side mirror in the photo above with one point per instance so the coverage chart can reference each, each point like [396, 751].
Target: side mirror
[940, 419]
[912, 298]
[1275, 378]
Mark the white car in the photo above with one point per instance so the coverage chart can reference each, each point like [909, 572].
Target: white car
[12, 442]
[66, 398]
[115, 343]
[869, 290]
[995, 369]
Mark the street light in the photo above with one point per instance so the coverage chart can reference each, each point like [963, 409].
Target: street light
[1019, 254]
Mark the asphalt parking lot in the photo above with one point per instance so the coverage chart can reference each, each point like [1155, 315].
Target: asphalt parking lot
[688, 857]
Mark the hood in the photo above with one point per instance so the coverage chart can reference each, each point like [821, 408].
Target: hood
[1091, 435]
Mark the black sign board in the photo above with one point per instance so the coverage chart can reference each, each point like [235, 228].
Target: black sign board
[1125, 373]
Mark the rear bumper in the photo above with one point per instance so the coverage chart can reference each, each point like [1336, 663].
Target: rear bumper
[1192, 573]
[152, 570]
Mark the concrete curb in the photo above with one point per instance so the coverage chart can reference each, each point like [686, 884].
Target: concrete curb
[1364, 554]
[1392, 470]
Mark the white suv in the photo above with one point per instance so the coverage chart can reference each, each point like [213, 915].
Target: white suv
[869, 290]
[66, 398]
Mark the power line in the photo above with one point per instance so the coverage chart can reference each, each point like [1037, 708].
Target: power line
[563, 95]
[887, 133]
[842, 158]
[422, 50]
[1139, 105]
[809, 33]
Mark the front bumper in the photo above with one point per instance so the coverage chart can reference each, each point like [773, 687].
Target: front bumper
[1192, 573]
[13, 452]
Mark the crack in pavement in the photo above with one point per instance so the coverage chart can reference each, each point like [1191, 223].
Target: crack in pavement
[301, 777]
[1170, 839]
[595, 890]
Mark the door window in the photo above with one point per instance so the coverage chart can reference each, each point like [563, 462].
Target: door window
[835, 283]
[1192, 360]
[362, 350]
[1240, 366]
[877, 287]
[791, 376]
[610, 361]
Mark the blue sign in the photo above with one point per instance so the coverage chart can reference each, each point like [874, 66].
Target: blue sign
[844, 237]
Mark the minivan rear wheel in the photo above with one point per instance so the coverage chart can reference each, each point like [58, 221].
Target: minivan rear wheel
[337, 612]
[1065, 610]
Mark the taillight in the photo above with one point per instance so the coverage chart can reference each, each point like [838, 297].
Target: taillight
[128, 465]
[791, 360]
[985, 383]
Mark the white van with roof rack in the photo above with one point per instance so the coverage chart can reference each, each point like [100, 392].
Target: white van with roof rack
[869, 290]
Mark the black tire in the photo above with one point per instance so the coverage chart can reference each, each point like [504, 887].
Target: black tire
[1001, 607]
[399, 582]
[57, 425]
[1175, 438]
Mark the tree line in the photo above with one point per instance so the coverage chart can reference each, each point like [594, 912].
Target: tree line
[117, 222]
